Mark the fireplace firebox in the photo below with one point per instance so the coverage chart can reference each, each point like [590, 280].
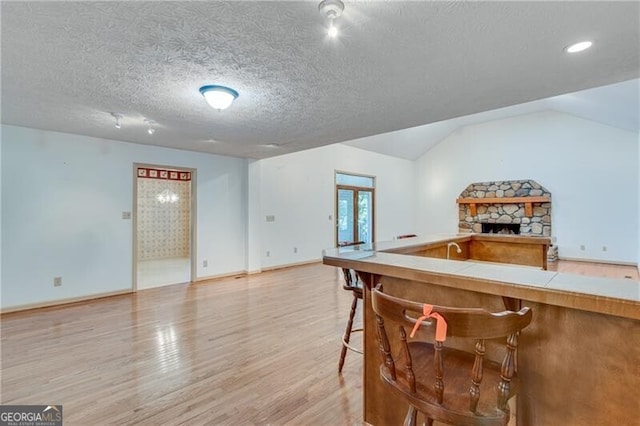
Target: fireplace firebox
[500, 228]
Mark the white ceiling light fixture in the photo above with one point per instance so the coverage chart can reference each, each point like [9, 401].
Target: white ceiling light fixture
[150, 124]
[331, 9]
[578, 47]
[117, 117]
[218, 97]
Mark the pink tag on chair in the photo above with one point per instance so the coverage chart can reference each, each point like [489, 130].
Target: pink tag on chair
[441, 323]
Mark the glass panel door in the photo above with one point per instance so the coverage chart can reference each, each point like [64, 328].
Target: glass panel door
[354, 215]
[365, 215]
[345, 216]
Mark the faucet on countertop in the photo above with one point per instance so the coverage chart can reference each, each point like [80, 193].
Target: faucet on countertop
[458, 249]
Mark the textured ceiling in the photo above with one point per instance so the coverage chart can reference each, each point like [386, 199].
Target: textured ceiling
[395, 65]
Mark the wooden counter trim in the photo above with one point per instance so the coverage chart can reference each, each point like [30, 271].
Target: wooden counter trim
[582, 301]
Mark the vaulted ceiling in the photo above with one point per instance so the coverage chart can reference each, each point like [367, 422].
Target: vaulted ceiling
[66, 66]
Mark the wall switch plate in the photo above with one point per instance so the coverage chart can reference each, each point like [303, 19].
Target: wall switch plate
[295, 249]
[271, 218]
[268, 253]
[604, 248]
[57, 281]
[205, 263]
[126, 215]
[582, 247]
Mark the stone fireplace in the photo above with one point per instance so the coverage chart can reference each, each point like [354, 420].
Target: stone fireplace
[505, 207]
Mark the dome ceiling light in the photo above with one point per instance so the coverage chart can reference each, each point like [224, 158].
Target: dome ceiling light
[331, 9]
[218, 97]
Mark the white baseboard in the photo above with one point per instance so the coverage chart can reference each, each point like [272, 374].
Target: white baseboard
[225, 275]
[119, 292]
[63, 301]
[289, 265]
[608, 262]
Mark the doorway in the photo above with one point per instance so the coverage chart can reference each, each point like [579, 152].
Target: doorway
[355, 208]
[163, 231]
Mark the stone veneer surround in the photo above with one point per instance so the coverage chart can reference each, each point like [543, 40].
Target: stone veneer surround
[538, 224]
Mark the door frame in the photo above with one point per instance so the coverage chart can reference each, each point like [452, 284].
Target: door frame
[193, 260]
[355, 188]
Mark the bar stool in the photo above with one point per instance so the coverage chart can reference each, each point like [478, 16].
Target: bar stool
[445, 384]
[403, 236]
[352, 284]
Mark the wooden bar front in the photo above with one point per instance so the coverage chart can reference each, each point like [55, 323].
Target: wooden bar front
[579, 359]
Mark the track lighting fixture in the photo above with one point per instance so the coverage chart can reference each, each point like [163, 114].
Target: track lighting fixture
[331, 9]
[150, 124]
[117, 117]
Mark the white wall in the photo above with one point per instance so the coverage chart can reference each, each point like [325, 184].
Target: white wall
[0, 219]
[63, 196]
[299, 190]
[591, 170]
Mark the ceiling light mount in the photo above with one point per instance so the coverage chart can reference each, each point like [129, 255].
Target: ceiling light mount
[218, 97]
[331, 9]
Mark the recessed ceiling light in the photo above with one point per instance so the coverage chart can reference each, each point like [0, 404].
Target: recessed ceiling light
[578, 47]
[270, 145]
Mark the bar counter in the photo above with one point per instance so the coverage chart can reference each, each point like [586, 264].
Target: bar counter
[579, 359]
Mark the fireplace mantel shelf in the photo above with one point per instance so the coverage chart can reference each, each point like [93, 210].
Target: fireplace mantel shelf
[528, 202]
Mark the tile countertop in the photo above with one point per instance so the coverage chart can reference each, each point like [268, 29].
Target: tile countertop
[606, 295]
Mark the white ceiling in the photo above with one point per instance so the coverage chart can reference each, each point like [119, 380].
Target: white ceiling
[616, 105]
[67, 65]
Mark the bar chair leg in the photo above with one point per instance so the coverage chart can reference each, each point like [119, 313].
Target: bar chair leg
[347, 334]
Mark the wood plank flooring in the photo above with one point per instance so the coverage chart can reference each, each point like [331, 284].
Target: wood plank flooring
[251, 350]
[605, 270]
[262, 349]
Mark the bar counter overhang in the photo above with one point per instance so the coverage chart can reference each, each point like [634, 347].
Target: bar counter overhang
[579, 360]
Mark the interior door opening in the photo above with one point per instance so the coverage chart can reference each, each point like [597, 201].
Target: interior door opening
[163, 226]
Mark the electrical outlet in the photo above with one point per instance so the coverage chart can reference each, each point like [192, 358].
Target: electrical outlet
[205, 263]
[57, 281]
[126, 215]
[271, 218]
[582, 247]
[295, 249]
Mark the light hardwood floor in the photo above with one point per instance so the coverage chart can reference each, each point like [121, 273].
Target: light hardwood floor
[604, 270]
[251, 350]
[260, 350]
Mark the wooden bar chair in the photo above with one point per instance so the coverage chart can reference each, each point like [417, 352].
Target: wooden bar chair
[352, 284]
[447, 385]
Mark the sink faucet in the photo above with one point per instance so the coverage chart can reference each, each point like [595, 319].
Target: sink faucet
[459, 250]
